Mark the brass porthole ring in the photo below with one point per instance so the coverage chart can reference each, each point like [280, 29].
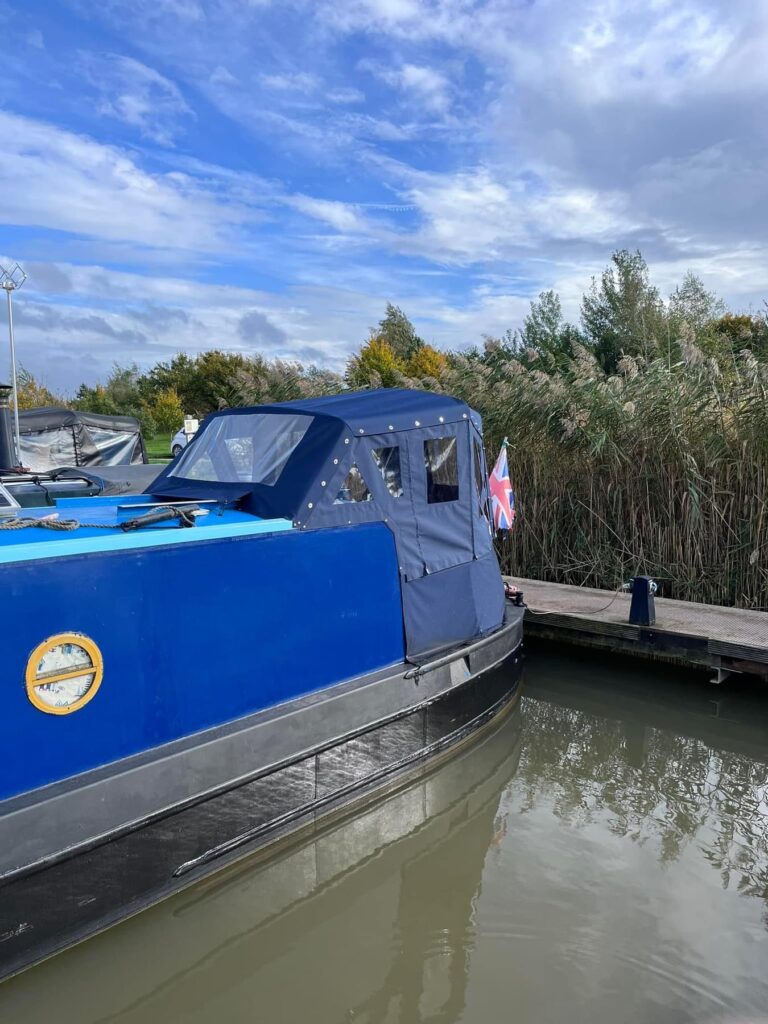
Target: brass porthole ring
[64, 673]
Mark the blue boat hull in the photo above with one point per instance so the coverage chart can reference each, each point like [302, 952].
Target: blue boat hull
[279, 770]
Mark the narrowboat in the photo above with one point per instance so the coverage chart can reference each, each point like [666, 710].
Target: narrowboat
[328, 569]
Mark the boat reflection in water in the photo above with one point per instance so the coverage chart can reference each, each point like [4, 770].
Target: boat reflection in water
[598, 855]
[361, 890]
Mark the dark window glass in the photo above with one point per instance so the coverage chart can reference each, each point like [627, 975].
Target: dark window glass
[354, 488]
[479, 478]
[388, 461]
[440, 459]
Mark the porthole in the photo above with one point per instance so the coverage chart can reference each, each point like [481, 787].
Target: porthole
[64, 673]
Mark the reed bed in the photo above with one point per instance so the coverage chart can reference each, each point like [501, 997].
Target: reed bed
[658, 469]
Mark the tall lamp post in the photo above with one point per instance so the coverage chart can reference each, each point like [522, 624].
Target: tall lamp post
[12, 278]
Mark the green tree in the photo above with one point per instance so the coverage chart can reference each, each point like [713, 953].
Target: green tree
[204, 383]
[545, 333]
[399, 333]
[95, 399]
[623, 313]
[178, 375]
[744, 331]
[691, 302]
[121, 395]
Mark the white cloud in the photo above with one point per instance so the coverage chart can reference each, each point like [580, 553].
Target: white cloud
[295, 81]
[419, 85]
[356, 14]
[480, 215]
[137, 95]
[346, 95]
[55, 179]
[338, 215]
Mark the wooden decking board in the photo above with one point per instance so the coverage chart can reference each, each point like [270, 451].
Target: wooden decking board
[736, 633]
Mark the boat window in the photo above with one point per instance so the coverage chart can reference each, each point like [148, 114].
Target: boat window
[388, 461]
[479, 477]
[440, 460]
[252, 448]
[354, 488]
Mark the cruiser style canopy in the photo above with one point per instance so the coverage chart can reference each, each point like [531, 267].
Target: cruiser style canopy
[413, 460]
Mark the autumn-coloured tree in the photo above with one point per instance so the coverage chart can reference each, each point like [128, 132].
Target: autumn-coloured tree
[426, 363]
[33, 395]
[375, 366]
[166, 410]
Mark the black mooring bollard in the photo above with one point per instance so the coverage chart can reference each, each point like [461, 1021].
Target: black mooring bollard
[642, 610]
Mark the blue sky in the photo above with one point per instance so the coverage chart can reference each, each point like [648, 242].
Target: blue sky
[258, 175]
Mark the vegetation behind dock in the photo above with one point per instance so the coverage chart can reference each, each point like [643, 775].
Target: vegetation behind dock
[638, 439]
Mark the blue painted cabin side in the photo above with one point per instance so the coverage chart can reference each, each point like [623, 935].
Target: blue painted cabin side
[193, 635]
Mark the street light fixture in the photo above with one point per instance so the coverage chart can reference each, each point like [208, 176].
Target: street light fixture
[12, 278]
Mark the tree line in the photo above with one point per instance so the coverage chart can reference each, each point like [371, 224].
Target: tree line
[638, 435]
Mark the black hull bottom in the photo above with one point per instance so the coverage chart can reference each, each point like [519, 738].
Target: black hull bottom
[48, 910]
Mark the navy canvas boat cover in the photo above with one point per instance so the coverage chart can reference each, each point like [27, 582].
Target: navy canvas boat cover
[411, 459]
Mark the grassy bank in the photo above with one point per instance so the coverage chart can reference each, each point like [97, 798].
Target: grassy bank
[158, 447]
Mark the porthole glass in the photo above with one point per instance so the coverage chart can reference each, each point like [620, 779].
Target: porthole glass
[64, 673]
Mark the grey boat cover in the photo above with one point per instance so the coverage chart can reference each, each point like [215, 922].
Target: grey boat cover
[54, 438]
[413, 460]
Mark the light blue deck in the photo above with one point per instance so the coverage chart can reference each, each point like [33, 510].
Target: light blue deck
[36, 543]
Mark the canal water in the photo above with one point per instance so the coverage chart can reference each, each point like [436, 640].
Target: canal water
[600, 856]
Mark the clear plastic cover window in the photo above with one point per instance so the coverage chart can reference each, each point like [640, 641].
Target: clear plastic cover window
[114, 447]
[388, 461]
[49, 449]
[354, 488]
[441, 463]
[252, 448]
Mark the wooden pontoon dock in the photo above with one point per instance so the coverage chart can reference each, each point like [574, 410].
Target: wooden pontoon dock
[725, 640]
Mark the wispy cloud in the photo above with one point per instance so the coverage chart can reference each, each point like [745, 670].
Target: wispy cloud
[52, 178]
[420, 86]
[137, 95]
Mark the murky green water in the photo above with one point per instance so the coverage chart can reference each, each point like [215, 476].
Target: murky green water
[601, 856]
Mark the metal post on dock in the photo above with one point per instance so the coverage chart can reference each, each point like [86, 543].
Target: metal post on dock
[642, 610]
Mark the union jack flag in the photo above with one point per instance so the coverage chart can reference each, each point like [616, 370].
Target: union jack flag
[502, 495]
